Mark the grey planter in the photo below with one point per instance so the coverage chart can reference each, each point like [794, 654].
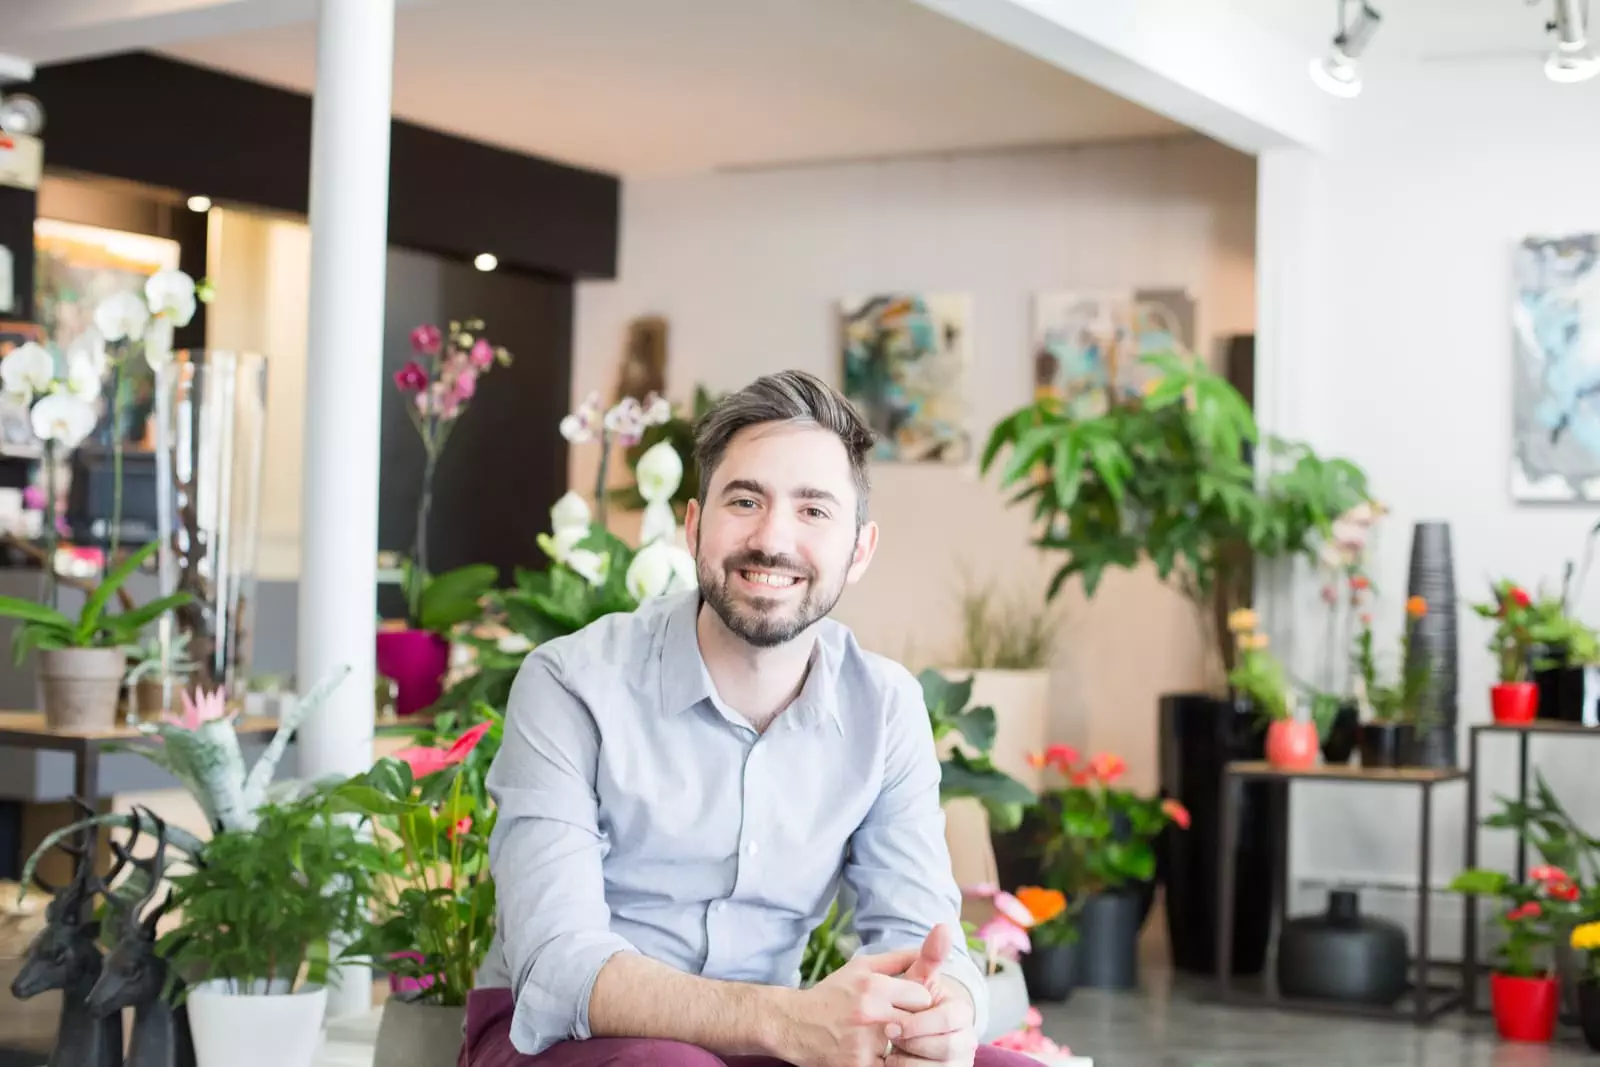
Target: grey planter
[1433, 639]
[1008, 999]
[419, 1035]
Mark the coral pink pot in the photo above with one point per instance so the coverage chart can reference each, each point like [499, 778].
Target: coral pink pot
[1524, 1008]
[416, 660]
[1292, 746]
[1514, 702]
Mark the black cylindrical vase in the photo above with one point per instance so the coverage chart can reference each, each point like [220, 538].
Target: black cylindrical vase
[1051, 971]
[1342, 734]
[1433, 639]
[1199, 735]
[1108, 940]
[1589, 1012]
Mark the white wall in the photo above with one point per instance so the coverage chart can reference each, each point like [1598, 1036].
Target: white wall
[748, 268]
[1398, 356]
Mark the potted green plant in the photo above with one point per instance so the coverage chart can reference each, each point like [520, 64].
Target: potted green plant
[1395, 711]
[965, 737]
[259, 916]
[1291, 741]
[82, 660]
[1514, 698]
[1050, 968]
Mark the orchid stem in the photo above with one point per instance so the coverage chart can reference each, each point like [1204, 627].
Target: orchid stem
[50, 534]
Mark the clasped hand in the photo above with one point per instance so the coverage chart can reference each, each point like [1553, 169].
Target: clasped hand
[897, 999]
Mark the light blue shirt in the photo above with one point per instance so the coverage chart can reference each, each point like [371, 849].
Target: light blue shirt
[637, 812]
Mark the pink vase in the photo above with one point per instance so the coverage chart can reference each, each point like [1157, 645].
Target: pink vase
[1292, 746]
[416, 660]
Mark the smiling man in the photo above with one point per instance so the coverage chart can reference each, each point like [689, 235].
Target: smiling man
[684, 789]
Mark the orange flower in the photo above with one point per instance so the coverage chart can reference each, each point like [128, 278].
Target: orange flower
[1176, 812]
[1416, 607]
[1358, 582]
[1107, 768]
[1042, 904]
[1036, 760]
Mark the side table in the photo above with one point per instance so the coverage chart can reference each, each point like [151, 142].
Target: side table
[1428, 1001]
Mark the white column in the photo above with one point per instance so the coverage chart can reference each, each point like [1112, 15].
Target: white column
[344, 366]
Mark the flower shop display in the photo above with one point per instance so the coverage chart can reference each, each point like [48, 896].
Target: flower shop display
[1292, 742]
[81, 660]
[1585, 939]
[257, 957]
[1342, 955]
[1523, 990]
[1396, 710]
[437, 385]
[433, 910]
[1514, 698]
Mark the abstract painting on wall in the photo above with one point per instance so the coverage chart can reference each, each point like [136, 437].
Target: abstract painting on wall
[905, 368]
[1086, 342]
[1555, 389]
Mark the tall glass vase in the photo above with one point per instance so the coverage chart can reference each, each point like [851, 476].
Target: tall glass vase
[210, 418]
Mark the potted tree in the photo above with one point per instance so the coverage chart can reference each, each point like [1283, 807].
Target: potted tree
[1514, 698]
[1395, 711]
[259, 913]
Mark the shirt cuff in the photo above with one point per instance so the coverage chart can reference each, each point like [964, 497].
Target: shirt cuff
[962, 968]
[553, 1001]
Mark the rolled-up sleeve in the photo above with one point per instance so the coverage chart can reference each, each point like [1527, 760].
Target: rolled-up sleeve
[545, 855]
[899, 865]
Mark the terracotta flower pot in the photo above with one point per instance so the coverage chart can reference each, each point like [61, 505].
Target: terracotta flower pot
[1524, 1008]
[1514, 702]
[417, 661]
[80, 689]
[1292, 746]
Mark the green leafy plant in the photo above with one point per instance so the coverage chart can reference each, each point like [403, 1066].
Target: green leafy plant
[826, 949]
[1545, 824]
[1164, 478]
[445, 601]
[47, 629]
[1014, 634]
[1404, 700]
[1257, 673]
[970, 772]
[1513, 612]
[263, 903]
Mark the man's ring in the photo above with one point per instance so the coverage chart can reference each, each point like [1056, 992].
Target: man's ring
[888, 1048]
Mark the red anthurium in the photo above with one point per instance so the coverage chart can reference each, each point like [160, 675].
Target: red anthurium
[1561, 889]
[1546, 873]
[1530, 910]
[1520, 596]
[1061, 757]
[467, 742]
[1176, 812]
[423, 761]
[1107, 768]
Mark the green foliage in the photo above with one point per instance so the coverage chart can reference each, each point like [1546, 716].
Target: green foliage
[265, 902]
[824, 952]
[971, 773]
[454, 597]
[1258, 674]
[679, 432]
[1544, 824]
[1404, 700]
[1018, 634]
[45, 628]
[1164, 478]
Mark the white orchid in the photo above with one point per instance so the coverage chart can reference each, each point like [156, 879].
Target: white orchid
[583, 424]
[513, 644]
[593, 567]
[158, 344]
[660, 472]
[83, 380]
[121, 317]
[657, 410]
[170, 294]
[569, 513]
[658, 569]
[659, 523]
[63, 418]
[26, 370]
[90, 347]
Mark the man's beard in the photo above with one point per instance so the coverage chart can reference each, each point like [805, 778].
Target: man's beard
[765, 622]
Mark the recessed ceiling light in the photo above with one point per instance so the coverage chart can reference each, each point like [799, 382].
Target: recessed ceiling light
[200, 204]
[485, 261]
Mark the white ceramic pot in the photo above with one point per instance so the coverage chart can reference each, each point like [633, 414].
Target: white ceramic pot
[1008, 1000]
[255, 1029]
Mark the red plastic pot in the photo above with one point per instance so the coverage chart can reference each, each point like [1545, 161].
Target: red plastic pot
[416, 660]
[1514, 702]
[1524, 1008]
[1292, 746]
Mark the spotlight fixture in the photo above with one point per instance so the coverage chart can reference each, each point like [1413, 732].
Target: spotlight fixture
[1572, 60]
[1337, 72]
[485, 261]
[21, 114]
[199, 204]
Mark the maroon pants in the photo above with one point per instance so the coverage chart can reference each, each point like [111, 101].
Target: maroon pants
[488, 1044]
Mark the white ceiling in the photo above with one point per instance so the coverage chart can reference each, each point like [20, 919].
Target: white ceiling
[1428, 31]
[641, 87]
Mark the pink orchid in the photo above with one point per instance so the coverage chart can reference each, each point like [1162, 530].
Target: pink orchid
[466, 385]
[427, 339]
[1033, 1019]
[33, 498]
[981, 891]
[482, 354]
[411, 378]
[1005, 938]
[1013, 909]
[200, 709]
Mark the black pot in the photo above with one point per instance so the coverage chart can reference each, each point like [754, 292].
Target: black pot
[1387, 744]
[1589, 1013]
[1342, 734]
[1199, 735]
[1342, 955]
[1561, 691]
[1019, 853]
[1108, 940]
[1051, 971]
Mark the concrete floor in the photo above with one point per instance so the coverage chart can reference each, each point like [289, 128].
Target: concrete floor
[1168, 1024]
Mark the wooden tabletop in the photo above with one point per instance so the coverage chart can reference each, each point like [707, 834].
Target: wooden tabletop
[1348, 772]
[1537, 726]
[21, 727]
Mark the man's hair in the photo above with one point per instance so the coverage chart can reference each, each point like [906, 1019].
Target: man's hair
[790, 396]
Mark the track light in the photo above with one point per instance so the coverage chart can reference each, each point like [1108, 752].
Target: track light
[21, 114]
[1572, 60]
[1337, 72]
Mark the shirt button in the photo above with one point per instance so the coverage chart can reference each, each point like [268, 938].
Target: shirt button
[750, 849]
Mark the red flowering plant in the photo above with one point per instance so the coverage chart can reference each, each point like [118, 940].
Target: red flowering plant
[438, 384]
[433, 919]
[1515, 616]
[1097, 837]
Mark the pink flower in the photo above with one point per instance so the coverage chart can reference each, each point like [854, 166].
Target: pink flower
[466, 385]
[462, 826]
[426, 339]
[426, 761]
[981, 891]
[482, 354]
[411, 378]
[468, 741]
[1013, 909]
[200, 709]
[33, 498]
[1033, 1019]
[1004, 937]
